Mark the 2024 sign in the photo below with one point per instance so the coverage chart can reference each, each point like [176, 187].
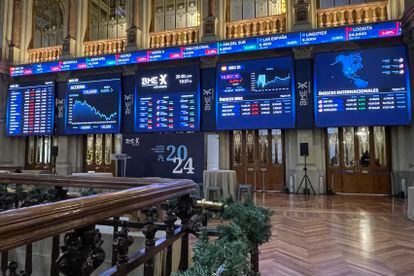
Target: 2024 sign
[179, 156]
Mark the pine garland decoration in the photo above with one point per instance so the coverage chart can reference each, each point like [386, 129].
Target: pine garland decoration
[229, 254]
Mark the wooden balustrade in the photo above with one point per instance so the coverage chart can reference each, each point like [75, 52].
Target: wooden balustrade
[104, 46]
[45, 54]
[26, 225]
[81, 252]
[161, 203]
[256, 26]
[353, 14]
[174, 37]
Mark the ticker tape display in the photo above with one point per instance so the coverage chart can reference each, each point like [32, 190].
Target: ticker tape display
[294, 39]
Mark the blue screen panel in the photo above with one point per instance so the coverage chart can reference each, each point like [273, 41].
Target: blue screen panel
[30, 110]
[93, 106]
[256, 94]
[362, 87]
[168, 100]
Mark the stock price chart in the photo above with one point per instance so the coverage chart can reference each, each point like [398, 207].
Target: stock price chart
[168, 100]
[30, 110]
[93, 107]
[363, 87]
[256, 94]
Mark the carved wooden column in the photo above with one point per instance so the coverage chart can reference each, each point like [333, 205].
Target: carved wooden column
[169, 223]
[14, 44]
[82, 252]
[210, 27]
[184, 212]
[121, 245]
[149, 231]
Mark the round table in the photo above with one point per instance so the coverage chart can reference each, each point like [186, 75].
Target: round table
[226, 180]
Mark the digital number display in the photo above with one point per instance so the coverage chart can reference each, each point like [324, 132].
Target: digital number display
[167, 100]
[256, 94]
[30, 110]
[295, 39]
[362, 87]
[93, 106]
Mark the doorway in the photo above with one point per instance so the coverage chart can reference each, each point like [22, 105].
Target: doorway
[257, 156]
[358, 159]
[98, 149]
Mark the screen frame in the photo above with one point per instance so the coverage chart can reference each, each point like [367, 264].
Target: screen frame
[408, 78]
[53, 83]
[86, 79]
[293, 91]
[197, 93]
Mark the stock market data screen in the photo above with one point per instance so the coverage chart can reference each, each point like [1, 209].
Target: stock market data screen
[30, 109]
[168, 100]
[93, 107]
[362, 87]
[256, 94]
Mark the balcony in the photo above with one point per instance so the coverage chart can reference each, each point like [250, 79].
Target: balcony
[174, 37]
[256, 26]
[354, 14]
[104, 46]
[45, 54]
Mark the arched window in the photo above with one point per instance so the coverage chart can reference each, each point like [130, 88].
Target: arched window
[175, 14]
[324, 4]
[107, 19]
[48, 23]
[247, 9]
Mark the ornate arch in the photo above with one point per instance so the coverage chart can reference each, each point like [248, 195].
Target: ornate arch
[48, 23]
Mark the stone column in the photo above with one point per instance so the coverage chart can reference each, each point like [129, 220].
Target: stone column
[69, 42]
[315, 139]
[301, 17]
[133, 32]
[210, 27]
[14, 45]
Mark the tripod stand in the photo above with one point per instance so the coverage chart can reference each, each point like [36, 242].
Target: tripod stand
[305, 179]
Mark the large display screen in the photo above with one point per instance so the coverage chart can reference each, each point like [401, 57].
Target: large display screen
[256, 94]
[168, 100]
[30, 109]
[362, 87]
[93, 106]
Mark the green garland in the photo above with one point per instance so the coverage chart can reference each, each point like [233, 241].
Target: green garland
[229, 254]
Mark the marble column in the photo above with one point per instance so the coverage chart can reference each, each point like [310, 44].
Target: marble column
[69, 42]
[210, 23]
[14, 45]
[133, 32]
[301, 16]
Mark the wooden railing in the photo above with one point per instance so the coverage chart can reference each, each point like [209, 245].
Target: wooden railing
[352, 14]
[118, 183]
[256, 26]
[81, 252]
[104, 46]
[174, 37]
[45, 54]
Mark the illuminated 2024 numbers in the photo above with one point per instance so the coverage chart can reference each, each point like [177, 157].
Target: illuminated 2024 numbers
[179, 156]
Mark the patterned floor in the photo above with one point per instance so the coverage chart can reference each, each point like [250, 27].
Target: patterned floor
[337, 235]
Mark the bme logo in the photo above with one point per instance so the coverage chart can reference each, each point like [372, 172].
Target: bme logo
[155, 82]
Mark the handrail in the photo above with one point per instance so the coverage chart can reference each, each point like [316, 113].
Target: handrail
[114, 183]
[26, 225]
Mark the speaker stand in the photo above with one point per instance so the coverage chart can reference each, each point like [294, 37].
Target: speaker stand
[306, 180]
